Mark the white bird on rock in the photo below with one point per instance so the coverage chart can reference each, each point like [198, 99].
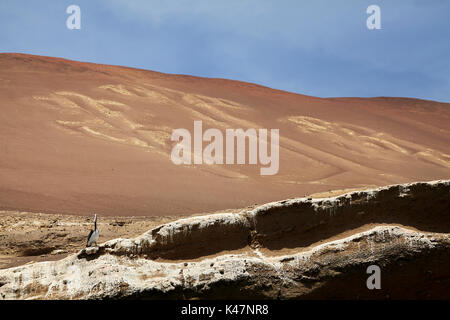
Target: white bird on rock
[93, 235]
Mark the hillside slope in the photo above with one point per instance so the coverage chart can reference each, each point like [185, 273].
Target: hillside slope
[80, 137]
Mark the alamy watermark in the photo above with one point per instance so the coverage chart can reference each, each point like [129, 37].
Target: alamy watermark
[374, 281]
[235, 147]
[74, 20]
[374, 20]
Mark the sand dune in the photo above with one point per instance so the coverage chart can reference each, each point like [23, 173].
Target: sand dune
[78, 137]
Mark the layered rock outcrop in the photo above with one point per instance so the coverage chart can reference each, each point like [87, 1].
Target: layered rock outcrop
[291, 249]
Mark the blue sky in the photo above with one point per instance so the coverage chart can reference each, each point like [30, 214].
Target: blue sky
[317, 47]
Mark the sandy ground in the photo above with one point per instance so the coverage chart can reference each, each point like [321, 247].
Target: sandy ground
[27, 237]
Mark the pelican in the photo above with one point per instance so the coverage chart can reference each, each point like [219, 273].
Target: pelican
[93, 235]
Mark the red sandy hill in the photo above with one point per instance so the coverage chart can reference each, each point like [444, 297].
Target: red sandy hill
[80, 137]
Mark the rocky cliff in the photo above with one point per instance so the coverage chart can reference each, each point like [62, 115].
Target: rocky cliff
[299, 248]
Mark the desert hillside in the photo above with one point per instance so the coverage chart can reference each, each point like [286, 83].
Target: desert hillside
[80, 137]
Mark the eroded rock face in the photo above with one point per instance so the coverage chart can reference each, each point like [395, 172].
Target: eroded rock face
[298, 248]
